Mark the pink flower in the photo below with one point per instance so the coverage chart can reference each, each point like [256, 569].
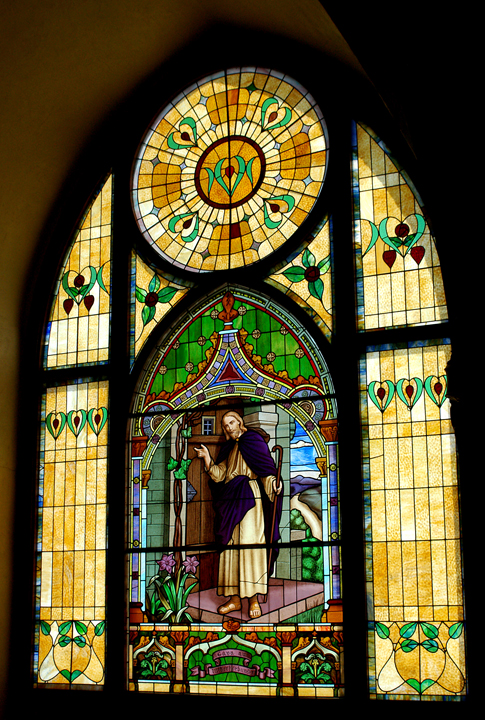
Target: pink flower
[190, 564]
[166, 563]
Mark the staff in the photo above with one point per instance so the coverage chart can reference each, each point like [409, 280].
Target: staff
[277, 489]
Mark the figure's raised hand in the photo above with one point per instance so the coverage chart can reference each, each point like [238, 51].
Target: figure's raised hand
[204, 453]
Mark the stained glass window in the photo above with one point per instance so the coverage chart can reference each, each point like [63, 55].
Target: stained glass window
[230, 169]
[227, 355]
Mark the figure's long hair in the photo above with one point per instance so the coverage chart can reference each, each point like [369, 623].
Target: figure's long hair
[240, 421]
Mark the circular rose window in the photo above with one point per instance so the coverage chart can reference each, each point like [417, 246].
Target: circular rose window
[229, 170]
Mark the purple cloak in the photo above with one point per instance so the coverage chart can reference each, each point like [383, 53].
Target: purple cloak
[232, 500]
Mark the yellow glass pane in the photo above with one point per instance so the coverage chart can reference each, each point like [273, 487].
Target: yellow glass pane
[72, 535]
[154, 296]
[79, 321]
[398, 271]
[416, 646]
[307, 279]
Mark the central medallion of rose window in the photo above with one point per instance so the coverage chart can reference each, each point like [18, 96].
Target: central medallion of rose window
[229, 170]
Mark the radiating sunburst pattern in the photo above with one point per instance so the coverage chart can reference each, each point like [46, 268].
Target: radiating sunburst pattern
[230, 169]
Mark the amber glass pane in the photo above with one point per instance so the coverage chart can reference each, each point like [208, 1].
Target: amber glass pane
[229, 169]
[153, 296]
[398, 272]
[414, 584]
[71, 546]
[307, 279]
[78, 328]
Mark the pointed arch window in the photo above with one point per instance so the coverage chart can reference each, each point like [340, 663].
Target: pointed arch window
[229, 289]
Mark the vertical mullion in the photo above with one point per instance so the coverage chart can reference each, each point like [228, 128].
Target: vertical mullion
[345, 371]
[119, 406]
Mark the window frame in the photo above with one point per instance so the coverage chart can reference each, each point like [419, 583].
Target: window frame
[59, 233]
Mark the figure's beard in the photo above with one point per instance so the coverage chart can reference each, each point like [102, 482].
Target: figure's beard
[234, 434]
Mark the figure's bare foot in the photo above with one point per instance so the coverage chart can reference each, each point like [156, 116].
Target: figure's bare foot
[254, 607]
[231, 606]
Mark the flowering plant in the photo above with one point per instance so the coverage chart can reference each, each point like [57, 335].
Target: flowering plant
[169, 599]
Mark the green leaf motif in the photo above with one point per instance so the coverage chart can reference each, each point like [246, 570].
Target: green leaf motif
[294, 274]
[393, 243]
[140, 294]
[166, 294]
[406, 399]
[455, 630]
[420, 687]
[308, 258]
[375, 398]
[55, 428]
[186, 432]
[408, 630]
[154, 284]
[430, 645]
[181, 472]
[147, 314]
[374, 236]
[92, 414]
[316, 289]
[408, 645]
[76, 420]
[45, 627]
[184, 464]
[65, 627]
[382, 630]
[431, 631]
[80, 641]
[172, 464]
[100, 280]
[266, 105]
[81, 628]
[413, 238]
[430, 384]
[64, 640]
[99, 628]
[324, 265]
[71, 676]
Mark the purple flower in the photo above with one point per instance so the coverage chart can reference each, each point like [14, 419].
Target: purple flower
[166, 563]
[190, 564]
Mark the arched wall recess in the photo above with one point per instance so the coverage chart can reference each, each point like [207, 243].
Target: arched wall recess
[154, 662]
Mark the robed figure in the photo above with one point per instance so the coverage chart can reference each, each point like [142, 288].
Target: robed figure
[247, 503]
